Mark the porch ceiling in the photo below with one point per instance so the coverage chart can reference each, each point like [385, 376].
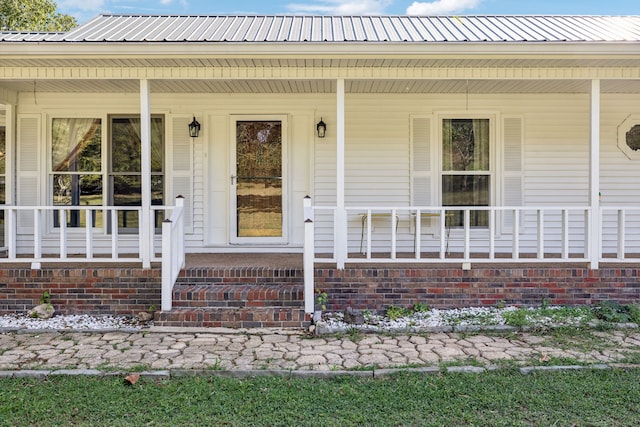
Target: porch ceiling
[288, 86]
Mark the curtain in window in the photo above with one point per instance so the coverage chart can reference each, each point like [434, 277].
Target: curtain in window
[70, 138]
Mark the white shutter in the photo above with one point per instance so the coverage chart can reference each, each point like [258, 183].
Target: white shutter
[180, 155]
[28, 170]
[512, 185]
[421, 165]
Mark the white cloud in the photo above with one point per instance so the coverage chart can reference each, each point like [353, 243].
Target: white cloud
[441, 7]
[342, 7]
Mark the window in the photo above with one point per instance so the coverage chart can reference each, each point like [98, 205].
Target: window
[125, 171]
[466, 168]
[76, 156]
[78, 174]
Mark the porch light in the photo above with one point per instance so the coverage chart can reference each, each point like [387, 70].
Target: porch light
[194, 128]
[321, 128]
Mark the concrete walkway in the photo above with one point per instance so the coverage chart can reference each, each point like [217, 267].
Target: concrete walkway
[250, 350]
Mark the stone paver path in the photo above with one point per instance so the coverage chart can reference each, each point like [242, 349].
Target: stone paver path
[293, 350]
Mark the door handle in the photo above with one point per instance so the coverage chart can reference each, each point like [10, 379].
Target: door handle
[233, 178]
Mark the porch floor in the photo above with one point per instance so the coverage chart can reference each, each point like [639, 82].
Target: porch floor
[295, 261]
[231, 260]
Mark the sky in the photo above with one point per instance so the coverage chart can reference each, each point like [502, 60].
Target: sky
[84, 10]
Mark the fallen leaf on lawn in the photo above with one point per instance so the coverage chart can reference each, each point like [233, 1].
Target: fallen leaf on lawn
[132, 378]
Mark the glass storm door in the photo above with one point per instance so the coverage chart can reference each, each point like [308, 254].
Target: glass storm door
[257, 183]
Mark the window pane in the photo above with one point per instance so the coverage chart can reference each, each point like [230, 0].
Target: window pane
[76, 145]
[465, 145]
[466, 190]
[127, 190]
[125, 144]
[77, 190]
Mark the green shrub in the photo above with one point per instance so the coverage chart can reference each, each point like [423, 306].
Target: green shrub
[394, 312]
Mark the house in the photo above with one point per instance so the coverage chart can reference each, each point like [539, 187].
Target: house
[453, 160]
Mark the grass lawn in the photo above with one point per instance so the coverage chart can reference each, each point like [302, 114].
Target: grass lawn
[501, 398]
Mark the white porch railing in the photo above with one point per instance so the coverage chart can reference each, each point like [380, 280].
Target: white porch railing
[446, 235]
[173, 256]
[36, 234]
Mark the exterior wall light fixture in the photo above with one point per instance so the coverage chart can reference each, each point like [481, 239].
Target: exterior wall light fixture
[321, 128]
[194, 128]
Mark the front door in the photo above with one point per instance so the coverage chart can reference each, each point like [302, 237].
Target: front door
[257, 181]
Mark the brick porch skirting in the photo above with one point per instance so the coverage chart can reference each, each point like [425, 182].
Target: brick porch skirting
[126, 291]
[378, 288]
[79, 290]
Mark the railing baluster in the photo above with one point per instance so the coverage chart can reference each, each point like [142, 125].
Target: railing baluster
[89, 233]
[369, 234]
[565, 234]
[37, 234]
[621, 234]
[515, 250]
[12, 234]
[467, 241]
[114, 233]
[444, 238]
[587, 234]
[540, 234]
[394, 224]
[62, 214]
[417, 233]
[492, 234]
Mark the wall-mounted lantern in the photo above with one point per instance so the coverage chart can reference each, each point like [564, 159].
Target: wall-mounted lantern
[194, 128]
[321, 128]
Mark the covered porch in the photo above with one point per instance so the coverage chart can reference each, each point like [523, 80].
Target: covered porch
[483, 167]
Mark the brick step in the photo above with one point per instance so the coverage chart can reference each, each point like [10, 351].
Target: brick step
[246, 317]
[238, 296]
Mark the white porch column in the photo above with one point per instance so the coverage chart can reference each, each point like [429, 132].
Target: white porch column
[340, 227]
[146, 233]
[11, 150]
[594, 173]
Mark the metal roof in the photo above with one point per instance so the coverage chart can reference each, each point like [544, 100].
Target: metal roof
[11, 36]
[341, 29]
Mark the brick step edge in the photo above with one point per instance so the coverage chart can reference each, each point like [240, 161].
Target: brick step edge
[237, 296]
[246, 317]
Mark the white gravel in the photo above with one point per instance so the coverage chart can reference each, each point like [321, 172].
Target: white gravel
[435, 318]
[71, 322]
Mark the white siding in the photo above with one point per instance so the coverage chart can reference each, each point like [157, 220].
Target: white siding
[619, 174]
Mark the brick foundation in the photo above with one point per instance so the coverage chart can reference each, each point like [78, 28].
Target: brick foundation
[98, 291]
[376, 289]
[265, 296]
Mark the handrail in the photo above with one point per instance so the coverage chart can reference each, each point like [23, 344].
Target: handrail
[173, 255]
